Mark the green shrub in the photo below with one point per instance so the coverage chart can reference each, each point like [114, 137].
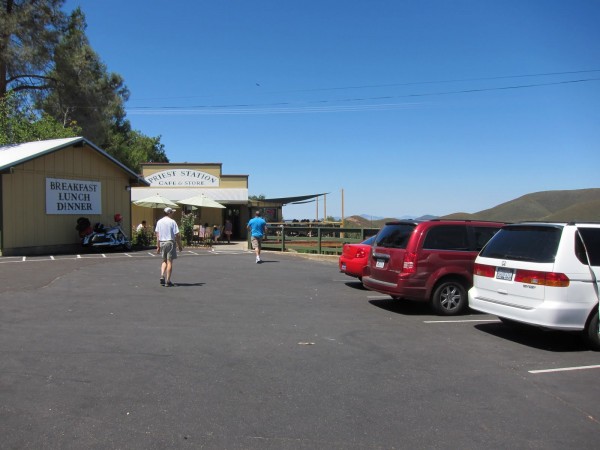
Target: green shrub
[187, 227]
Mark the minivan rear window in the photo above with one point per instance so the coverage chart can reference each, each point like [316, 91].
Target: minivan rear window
[394, 235]
[524, 243]
[591, 238]
[483, 235]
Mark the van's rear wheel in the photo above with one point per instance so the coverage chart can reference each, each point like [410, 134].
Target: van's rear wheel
[449, 298]
[591, 334]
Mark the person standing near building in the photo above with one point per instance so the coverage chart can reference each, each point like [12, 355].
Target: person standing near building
[258, 231]
[228, 230]
[167, 238]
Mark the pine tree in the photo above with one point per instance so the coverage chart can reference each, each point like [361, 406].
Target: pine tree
[29, 32]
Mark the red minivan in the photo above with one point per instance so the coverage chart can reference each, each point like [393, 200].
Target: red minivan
[429, 260]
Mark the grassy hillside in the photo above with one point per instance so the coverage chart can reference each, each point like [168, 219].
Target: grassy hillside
[561, 206]
[361, 222]
[581, 205]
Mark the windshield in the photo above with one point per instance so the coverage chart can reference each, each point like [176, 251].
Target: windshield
[394, 235]
[369, 241]
[524, 243]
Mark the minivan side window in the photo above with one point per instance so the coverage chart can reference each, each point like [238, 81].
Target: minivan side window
[591, 238]
[524, 243]
[447, 237]
[394, 235]
[483, 235]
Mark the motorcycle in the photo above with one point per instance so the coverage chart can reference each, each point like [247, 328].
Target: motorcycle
[100, 237]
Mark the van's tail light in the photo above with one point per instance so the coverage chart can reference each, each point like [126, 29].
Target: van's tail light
[551, 279]
[483, 270]
[409, 266]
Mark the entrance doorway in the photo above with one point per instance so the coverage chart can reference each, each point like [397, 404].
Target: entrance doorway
[232, 213]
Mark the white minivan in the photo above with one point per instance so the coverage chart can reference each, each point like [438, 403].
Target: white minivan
[543, 274]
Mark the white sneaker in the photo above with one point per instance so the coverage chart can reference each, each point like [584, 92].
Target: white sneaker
[257, 260]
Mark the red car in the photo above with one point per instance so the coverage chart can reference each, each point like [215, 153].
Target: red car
[355, 257]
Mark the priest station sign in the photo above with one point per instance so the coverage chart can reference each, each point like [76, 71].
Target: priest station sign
[182, 178]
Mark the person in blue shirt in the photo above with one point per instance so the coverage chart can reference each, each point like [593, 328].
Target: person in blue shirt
[258, 231]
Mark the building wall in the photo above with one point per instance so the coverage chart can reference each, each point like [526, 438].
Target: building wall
[28, 230]
[234, 181]
[212, 216]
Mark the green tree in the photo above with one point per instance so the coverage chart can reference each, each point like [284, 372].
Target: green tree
[46, 60]
[83, 91]
[29, 32]
[24, 124]
[133, 148]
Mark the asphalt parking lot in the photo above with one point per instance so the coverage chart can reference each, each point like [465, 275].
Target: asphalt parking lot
[288, 354]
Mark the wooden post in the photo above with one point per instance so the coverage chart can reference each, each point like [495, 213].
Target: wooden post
[343, 223]
[343, 208]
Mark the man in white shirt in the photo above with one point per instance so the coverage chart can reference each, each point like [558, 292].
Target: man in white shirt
[167, 237]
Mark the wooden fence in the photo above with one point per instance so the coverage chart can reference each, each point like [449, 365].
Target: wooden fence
[313, 238]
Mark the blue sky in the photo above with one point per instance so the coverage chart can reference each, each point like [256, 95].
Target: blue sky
[409, 107]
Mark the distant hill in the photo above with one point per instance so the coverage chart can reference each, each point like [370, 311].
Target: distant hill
[560, 206]
[362, 222]
[581, 205]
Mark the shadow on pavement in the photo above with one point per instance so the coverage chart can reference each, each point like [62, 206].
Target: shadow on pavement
[356, 285]
[539, 338]
[404, 307]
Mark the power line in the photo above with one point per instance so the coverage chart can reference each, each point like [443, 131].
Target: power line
[410, 83]
[327, 105]
[417, 83]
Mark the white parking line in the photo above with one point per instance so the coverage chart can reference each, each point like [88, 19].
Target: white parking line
[379, 297]
[564, 369]
[18, 259]
[461, 321]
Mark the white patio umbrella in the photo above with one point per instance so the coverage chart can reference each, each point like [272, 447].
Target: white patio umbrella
[155, 201]
[201, 201]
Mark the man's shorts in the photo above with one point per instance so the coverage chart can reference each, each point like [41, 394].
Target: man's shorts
[168, 250]
[256, 242]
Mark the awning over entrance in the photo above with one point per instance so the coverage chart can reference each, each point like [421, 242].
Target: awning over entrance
[236, 195]
[294, 200]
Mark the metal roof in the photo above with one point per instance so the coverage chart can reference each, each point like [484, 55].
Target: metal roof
[15, 154]
[233, 195]
[293, 200]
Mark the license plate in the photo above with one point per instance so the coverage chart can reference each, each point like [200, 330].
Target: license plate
[503, 273]
[380, 263]
[343, 266]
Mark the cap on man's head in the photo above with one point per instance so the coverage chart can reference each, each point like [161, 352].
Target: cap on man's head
[169, 210]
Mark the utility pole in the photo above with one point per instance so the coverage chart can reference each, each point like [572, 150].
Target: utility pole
[342, 207]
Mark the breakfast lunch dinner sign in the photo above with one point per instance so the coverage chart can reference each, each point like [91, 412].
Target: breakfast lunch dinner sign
[73, 196]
